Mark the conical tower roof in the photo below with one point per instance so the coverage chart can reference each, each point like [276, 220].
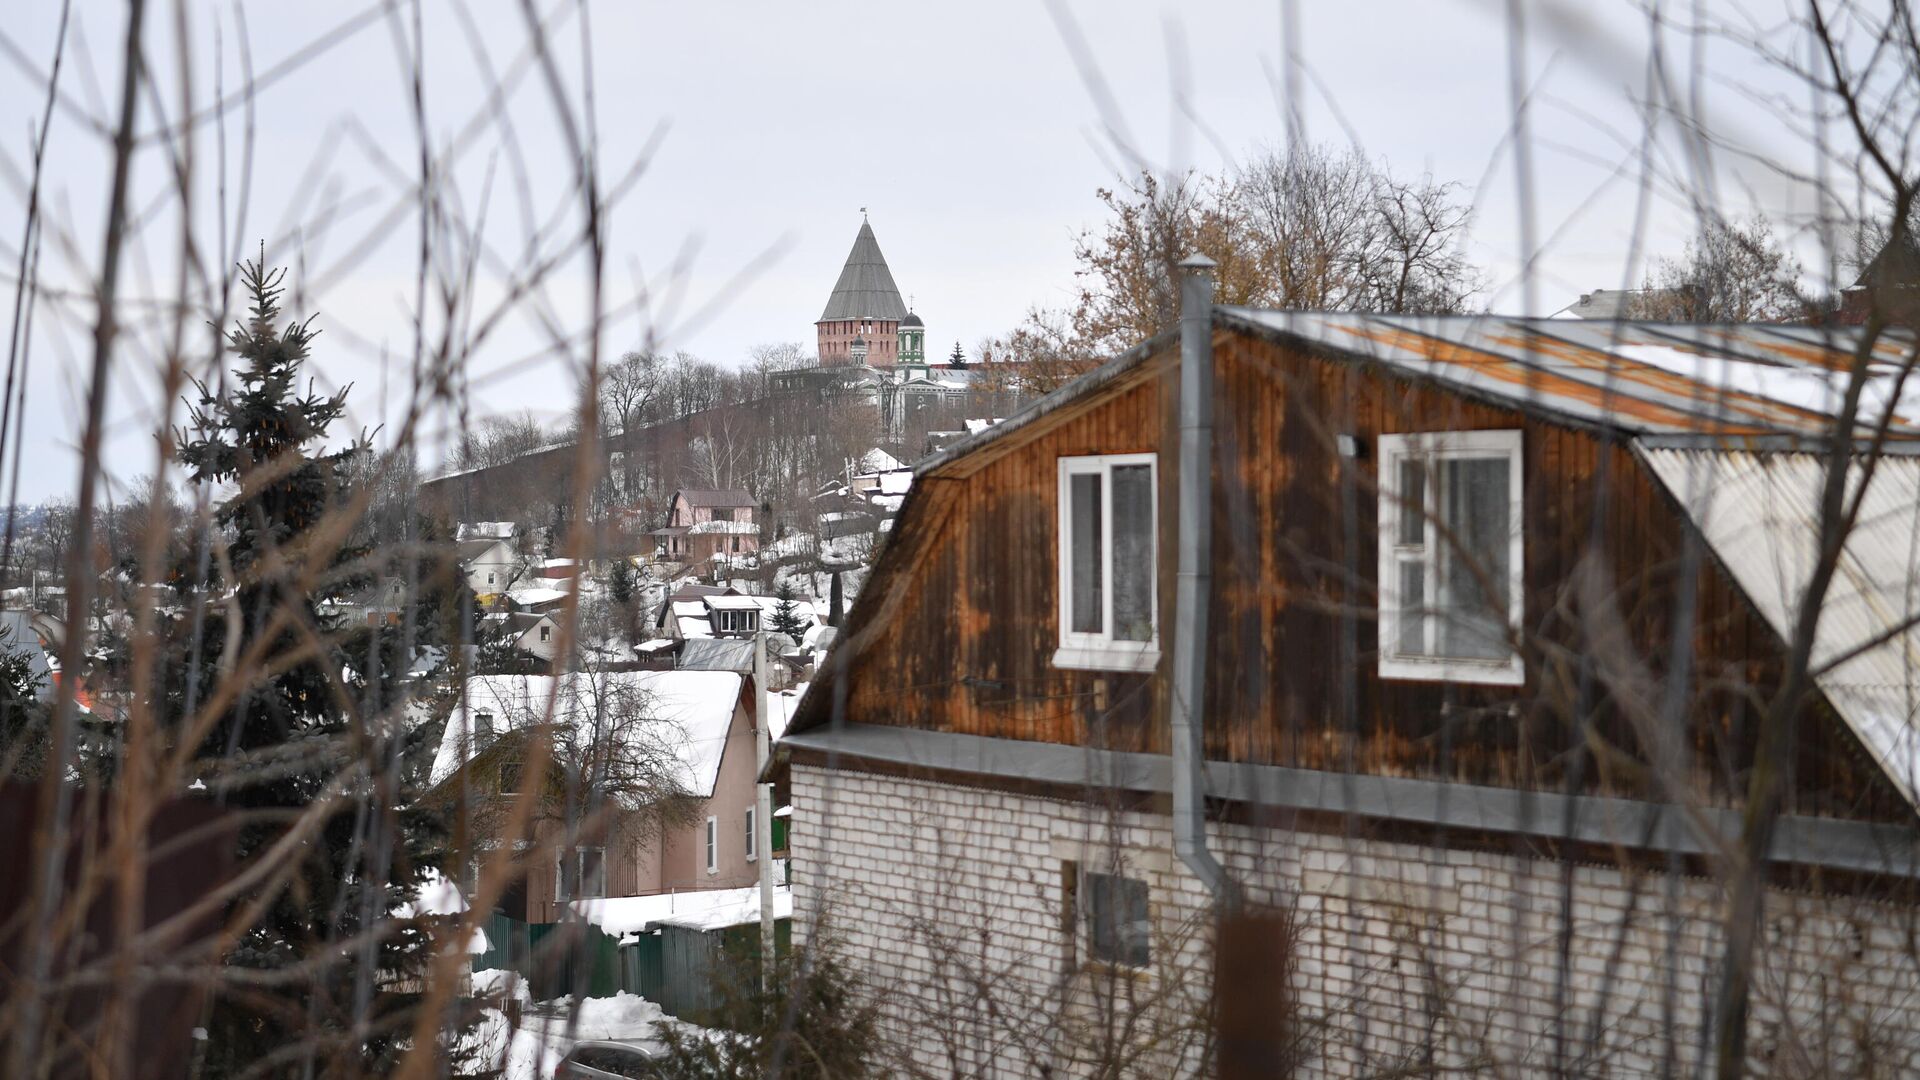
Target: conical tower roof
[865, 289]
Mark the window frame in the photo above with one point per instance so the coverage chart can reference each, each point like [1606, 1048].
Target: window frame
[1439, 446]
[579, 854]
[753, 855]
[1085, 884]
[1102, 651]
[713, 845]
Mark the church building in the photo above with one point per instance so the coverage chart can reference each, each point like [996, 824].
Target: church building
[865, 322]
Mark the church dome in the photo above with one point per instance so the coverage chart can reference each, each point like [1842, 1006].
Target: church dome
[910, 319]
[858, 340]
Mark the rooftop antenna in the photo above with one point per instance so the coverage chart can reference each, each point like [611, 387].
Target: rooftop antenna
[863, 213]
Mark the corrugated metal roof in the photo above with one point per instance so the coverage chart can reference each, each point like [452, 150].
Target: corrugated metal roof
[865, 289]
[1760, 514]
[1653, 378]
[718, 497]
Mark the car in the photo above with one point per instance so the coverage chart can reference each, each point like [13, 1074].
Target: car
[609, 1059]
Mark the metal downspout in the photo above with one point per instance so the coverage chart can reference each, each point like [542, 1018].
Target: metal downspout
[1194, 583]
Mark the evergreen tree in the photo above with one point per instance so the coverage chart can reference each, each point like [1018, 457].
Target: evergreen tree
[295, 728]
[621, 581]
[958, 358]
[786, 612]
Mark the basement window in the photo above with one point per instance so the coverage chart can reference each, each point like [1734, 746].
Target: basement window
[1119, 927]
[1108, 616]
[1450, 556]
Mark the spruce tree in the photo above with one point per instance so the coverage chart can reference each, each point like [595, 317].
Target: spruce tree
[298, 730]
[622, 580]
[958, 358]
[786, 613]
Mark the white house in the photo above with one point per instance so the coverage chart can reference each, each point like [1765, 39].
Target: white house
[489, 563]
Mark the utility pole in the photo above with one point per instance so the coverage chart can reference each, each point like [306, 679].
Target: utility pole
[763, 806]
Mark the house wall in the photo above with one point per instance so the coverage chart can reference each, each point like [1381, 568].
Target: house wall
[949, 901]
[499, 562]
[1291, 633]
[679, 859]
[624, 863]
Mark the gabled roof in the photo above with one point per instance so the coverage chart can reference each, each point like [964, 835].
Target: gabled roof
[1639, 377]
[468, 550]
[718, 498]
[865, 289]
[1707, 386]
[682, 713]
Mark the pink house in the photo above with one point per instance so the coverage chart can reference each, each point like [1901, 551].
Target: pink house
[702, 523]
[688, 729]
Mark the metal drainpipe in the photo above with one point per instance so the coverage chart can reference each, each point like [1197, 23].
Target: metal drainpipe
[1195, 581]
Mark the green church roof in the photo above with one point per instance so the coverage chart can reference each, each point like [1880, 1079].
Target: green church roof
[865, 289]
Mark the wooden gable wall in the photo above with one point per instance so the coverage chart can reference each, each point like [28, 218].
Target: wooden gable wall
[967, 639]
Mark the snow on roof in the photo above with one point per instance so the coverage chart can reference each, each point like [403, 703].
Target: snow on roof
[896, 483]
[693, 626]
[975, 427]
[732, 603]
[724, 528]
[684, 712]
[877, 461]
[489, 530]
[537, 595]
[656, 645]
[709, 909]
[1760, 514]
[889, 503]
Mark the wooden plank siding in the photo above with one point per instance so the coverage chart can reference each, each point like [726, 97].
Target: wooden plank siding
[963, 642]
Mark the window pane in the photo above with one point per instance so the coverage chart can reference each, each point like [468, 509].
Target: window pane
[593, 878]
[1412, 608]
[1473, 596]
[1412, 502]
[1085, 599]
[1118, 929]
[1133, 576]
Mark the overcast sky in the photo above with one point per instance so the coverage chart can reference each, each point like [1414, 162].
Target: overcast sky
[970, 131]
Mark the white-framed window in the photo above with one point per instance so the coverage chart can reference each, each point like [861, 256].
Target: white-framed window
[482, 730]
[738, 621]
[1108, 576]
[580, 874]
[752, 852]
[546, 633]
[1119, 923]
[713, 845]
[1451, 556]
[489, 577]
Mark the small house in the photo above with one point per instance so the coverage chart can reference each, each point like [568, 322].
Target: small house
[1454, 645]
[670, 735]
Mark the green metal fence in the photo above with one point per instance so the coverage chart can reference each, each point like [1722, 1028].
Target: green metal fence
[677, 968]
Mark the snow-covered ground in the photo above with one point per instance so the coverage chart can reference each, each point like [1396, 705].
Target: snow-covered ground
[548, 1030]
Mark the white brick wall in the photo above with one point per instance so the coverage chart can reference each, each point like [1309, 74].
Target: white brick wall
[949, 901]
